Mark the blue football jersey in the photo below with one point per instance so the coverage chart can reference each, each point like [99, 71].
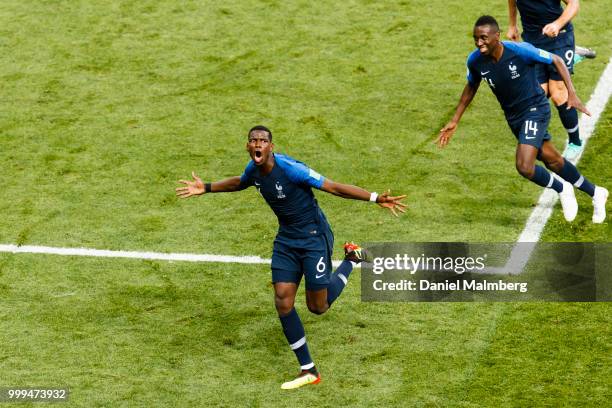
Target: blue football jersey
[288, 191]
[535, 14]
[513, 78]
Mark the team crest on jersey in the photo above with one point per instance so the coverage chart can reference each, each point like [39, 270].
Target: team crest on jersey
[279, 191]
[513, 71]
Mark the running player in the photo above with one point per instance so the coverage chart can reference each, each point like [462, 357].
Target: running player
[510, 71]
[548, 26]
[304, 243]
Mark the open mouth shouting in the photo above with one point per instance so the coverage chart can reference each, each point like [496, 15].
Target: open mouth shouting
[257, 157]
[259, 147]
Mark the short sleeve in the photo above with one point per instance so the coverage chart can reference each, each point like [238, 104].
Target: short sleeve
[299, 173]
[246, 179]
[473, 75]
[531, 54]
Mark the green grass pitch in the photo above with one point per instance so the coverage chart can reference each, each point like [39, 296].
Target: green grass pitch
[104, 105]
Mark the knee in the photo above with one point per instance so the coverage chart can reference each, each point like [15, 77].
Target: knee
[552, 159]
[283, 305]
[317, 309]
[555, 163]
[558, 94]
[525, 169]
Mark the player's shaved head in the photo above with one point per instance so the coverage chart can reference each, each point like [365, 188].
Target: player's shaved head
[487, 20]
[260, 128]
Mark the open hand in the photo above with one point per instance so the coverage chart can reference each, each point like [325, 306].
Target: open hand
[195, 187]
[393, 203]
[445, 134]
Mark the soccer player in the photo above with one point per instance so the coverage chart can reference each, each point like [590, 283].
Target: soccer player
[548, 26]
[510, 71]
[304, 243]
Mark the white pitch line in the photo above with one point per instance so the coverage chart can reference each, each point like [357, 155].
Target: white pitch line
[156, 256]
[516, 262]
[541, 213]
[596, 105]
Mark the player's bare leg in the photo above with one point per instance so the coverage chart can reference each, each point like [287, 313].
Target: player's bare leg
[284, 297]
[525, 160]
[320, 301]
[525, 165]
[557, 91]
[316, 300]
[551, 157]
[284, 300]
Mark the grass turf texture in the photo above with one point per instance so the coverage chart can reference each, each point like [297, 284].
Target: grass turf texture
[105, 105]
[134, 333]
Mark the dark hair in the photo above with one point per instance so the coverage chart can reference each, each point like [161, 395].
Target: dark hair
[260, 127]
[487, 20]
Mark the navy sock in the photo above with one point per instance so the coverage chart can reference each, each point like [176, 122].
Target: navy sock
[570, 173]
[294, 332]
[569, 118]
[338, 281]
[543, 178]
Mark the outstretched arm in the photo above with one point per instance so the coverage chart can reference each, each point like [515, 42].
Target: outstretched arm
[466, 98]
[197, 187]
[572, 99]
[552, 29]
[384, 200]
[512, 33]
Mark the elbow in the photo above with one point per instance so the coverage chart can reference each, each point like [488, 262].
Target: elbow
[332, 188]
[336, 192]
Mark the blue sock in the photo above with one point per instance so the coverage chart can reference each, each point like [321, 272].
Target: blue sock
[338, 281]
[570, 173]
[543, 178]
[294, 332]
[569, 118]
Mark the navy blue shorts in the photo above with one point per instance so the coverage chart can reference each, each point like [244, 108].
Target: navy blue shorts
[564, 48]
[531, 128]
[310, 256]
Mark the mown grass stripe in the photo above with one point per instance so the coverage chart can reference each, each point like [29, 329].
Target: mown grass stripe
[516, 262]
[596, 105]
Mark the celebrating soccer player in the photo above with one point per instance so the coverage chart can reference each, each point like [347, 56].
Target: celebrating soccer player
[548, 26]
[304, 243]
[509, 70]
